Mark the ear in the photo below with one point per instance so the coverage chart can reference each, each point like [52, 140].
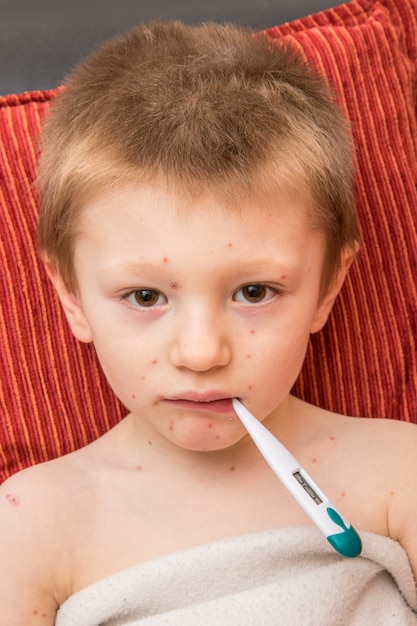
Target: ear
[71, 304]
[326, 304]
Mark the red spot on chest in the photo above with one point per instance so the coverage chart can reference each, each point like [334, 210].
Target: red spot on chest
[165, 259]
[13, 499]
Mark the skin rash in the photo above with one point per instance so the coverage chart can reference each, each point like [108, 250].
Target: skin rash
[226, 322]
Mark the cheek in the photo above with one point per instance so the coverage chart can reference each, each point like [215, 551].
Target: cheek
[272, 373]
[127, 367]
[278, 356]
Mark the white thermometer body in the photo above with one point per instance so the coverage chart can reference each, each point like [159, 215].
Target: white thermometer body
[337, 530]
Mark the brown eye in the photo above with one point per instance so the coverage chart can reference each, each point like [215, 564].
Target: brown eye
[254, 293]
[145, 297]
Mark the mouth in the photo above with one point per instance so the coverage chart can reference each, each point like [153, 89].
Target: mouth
[209, 402]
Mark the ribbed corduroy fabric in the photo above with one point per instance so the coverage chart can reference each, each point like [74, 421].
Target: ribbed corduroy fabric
[365, 360]
[52, 393]
[53, 396]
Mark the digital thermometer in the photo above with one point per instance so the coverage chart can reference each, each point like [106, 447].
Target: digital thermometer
[338, 532]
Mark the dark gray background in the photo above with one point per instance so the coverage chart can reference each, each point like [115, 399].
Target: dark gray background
[41, 40]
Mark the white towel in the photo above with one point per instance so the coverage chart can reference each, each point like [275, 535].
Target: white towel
[289, 576]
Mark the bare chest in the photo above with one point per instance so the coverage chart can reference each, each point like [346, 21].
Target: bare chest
[134, 521]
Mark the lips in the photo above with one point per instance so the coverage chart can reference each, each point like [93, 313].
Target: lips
[212, 402]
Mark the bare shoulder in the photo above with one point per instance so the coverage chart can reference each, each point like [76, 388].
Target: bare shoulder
[386, 432]
[375, 462]
[387, 453]
[371, 438]
[386, 447]
[390, 444]
[34, 544]
[398, 458]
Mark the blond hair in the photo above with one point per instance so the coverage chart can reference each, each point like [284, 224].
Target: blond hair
[200, 107]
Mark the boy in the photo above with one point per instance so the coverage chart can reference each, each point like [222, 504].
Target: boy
[198, 223]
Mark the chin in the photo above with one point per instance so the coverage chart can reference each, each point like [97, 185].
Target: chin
[213, 440]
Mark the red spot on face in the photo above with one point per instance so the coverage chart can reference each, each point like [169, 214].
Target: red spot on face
[154, 361]
[230, 245]
[252, 331]
[155, 403]
[392, 493]
[283, 277]
[171, 425]
[314, 460]
[133, 397]
[343, 494]
[331, 438]
[209, 425]
[165, 259]
[250, 387]
[139, 468]
[12, 498]
[174, 284]
[217, 436]
[248, 356]
[232, 469]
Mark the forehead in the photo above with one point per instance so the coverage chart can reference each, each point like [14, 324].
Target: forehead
[153, 202]
[149, 224]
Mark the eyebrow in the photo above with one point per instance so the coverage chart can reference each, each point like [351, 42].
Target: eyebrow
[161, 267]
[128, 267]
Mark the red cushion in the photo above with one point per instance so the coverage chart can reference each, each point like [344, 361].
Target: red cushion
[53, 395]
[365, 361]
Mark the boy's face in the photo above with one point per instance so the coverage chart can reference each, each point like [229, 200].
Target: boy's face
[190, 303]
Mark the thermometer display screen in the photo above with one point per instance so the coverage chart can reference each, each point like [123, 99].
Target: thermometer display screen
[307, 487]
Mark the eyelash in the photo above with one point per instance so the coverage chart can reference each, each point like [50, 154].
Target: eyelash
[154, 296]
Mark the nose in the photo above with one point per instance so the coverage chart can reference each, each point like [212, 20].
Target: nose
[201, 343]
